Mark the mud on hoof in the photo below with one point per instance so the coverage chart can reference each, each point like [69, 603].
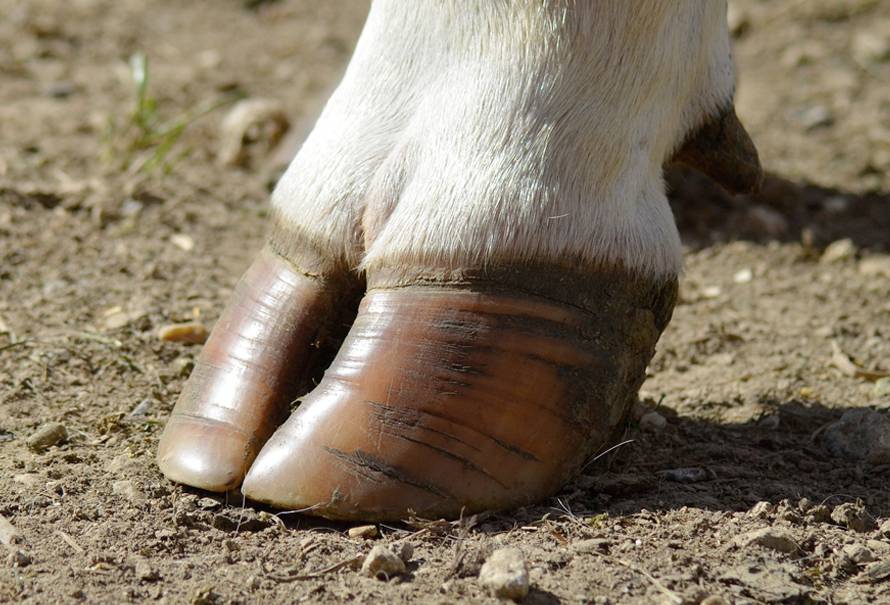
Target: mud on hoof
[465, 392]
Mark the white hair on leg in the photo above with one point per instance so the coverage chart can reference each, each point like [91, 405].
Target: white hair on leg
[468, 134]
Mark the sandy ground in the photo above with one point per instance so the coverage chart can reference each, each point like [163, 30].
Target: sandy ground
[98, 250]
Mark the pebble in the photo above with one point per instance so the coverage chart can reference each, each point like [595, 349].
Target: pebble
[837, 251]
[761, 510]
[128, 490]
[144, 571]
[591, 545]
[141, 408]
[773, 538]
[190, 332]
[182, 241]
[875, 265]
[714, 600]
[815, 116]
[19, 558]
[819, 514]
[652, 422]
[505, 574]
[884, 529]
[29, 480]
[870, 47]
[208, 503]
[877, 572]
[882, 387]
[859, 554]
[47, 436]
[859, 435]
[851, 516]
[183, 366]
[253, 127]
[382, 563]
[363, 531]
[743, 276]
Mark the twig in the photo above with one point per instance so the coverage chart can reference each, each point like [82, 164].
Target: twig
[314, 574]
[672, 596]
[69, 541]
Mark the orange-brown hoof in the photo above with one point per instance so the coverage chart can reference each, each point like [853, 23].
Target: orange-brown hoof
[256, 362]
[445, 399]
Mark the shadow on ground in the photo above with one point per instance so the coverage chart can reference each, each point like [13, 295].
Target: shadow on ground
[783, 210]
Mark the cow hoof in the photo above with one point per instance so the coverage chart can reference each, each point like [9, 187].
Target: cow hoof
[461, 396]
[257, 360]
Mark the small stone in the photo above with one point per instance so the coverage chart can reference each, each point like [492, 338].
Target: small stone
[251, 129]
[190, 332]
[144, 571]
[165, 534]
[591, 545]
[141, 408]
[870, 47]
[365, 532]
[815, 116]
[128, 490]
[859, 435]
[405, 550]
[19, 558]
[877, 572]
[878, 265]
[882, 387]
[182, 241]
[382, 563]
[47, 436]
[123, 463]
[804, 505]
[714, 600]
[773, 538]
[60, 90]
[852, 516]
[711, 292]
[29, 480]
[837, 251]
[183, 366]
[761, 510]
[819, 514]
[116, 320]
[652, 422]
[505, 574]
[208, 503]
[743, 276]
[859, 554]
[884, 529]
[130, 207]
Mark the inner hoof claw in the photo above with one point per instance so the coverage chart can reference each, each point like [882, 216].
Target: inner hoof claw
[256, 361]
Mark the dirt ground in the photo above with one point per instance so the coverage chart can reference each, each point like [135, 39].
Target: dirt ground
[104, 239]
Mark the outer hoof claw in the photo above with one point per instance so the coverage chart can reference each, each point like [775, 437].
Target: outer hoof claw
[451, 399]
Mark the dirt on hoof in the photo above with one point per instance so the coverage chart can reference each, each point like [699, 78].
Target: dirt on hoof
[117, 218]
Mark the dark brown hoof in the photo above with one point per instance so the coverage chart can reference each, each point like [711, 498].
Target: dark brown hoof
[448, 398]
[258, 358]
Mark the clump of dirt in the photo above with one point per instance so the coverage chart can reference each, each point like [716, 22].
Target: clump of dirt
[116, 218]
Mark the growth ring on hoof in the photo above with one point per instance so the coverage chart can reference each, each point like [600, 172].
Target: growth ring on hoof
[257, 360]
[465, 395]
